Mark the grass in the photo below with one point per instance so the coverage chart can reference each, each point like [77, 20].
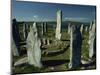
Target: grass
[85, 47]
[26, 69]
[63, 56]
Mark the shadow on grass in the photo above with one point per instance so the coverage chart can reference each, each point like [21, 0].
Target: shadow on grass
[54, 62]
[88, 66]
[65, 40]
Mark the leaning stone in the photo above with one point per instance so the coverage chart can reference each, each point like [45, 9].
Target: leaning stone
[21, 61]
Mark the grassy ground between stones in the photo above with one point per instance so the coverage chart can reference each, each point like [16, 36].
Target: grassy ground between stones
[62, 58]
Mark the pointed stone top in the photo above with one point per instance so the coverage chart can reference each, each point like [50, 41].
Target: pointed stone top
[58, 10]
[69, 23]
[91, 22]
[14, 20]
[82, 24]
[34, 26]
[94, 21]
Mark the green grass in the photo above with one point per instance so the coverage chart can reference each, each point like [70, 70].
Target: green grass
[85, 46]
[63, 56]
[26, 69]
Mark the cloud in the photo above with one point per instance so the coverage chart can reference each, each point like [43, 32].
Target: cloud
[35, 16]
[41, 18]
[76, 19]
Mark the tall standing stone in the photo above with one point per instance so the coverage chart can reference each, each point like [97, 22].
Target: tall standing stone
[15, 34]
[48, 42]
[69, 26]
[81, 29]
[26, 30]
[33, 47]
[58, 27]
[24, 35]
[92, 41]
[44, 41]
[90, 27]
[75, 47]
[42, 29]
[86, 28]
[45, 27]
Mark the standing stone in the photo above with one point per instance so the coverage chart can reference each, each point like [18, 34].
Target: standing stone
[75, 47]
[15, 34]
[26, 30]
[24, 35]
[90, 26]
[69, 26]
[81, 28]
[92, 41]
[58, 27]
[33, 47]
[14, 48]
[42, 29]
[48, 42]
[45, 27]
[86, 28]
[44, 41]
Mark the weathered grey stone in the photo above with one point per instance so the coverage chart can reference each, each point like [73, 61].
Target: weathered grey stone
[90, 26]
[48, 42]
[81, 29]
[45, 27]
[21, 61]
[26, 30]
[15, 34]
[42, 29]
[84, 62]
[14, 48]
[69, 26]
[24, 35]
[44, 41]
[33, 47]
[86, 28]
[92, 40]
[75, 47]
[58, 27]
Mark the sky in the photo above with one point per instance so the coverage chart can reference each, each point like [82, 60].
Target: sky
[36, 11]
